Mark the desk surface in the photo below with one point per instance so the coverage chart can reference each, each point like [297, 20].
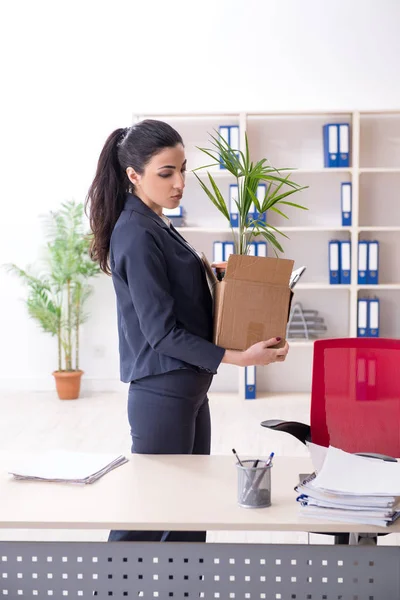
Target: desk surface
[162, 492]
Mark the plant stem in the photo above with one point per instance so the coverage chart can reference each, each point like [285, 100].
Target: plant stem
[68, 357]
[59, 344]
[77, 311]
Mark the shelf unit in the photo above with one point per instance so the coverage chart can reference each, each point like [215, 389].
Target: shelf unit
[294, 140]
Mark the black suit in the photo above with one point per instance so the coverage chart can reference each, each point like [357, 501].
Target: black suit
[166, 352]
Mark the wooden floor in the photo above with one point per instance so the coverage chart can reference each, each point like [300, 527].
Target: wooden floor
[33, 422]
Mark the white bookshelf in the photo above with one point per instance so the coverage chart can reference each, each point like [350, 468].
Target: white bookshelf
[294, 140]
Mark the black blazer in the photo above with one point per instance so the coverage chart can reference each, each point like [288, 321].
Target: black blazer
[164, 305]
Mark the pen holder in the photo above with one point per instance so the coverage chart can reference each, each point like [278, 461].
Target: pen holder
[254, 485]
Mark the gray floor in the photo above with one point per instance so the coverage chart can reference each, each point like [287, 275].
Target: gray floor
[33, 422]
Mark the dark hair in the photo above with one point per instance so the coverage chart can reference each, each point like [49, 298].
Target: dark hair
[131, 147]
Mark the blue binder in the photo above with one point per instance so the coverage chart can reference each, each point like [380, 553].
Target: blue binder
[362, 262]
[234, 138]
[261, 191]
[224, 134]
[230, 133]
[233, 209]
[229, 248]
[362, 317]
[361, 378]
[344, 145]
[373, 317]
[331, 145]
[175, 215]
[346, 193]
[366, 371]
[345, 262]
[252, 249]
[250, 383]
[373, 262]
[252, 215]
[334, 262]
[261, 248]
[218, 252]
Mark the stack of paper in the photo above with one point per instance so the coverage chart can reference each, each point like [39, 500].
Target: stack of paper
[351, 488]
[65, 467]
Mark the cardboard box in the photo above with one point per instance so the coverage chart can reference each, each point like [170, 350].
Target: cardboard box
[252, 302]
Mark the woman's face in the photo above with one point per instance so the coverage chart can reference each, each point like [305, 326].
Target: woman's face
[163, 181]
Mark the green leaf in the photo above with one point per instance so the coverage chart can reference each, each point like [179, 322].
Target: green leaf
[279, 212]
[295, 205]
[214, 199]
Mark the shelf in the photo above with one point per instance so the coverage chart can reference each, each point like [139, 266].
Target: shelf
[294, 229]
[323, 170]
[322, 286]
[379, 286]
[294, 141]
[379, 170]
[387, 228]
[223, 173]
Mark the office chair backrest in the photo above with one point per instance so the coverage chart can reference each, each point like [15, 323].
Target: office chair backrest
[355, 397]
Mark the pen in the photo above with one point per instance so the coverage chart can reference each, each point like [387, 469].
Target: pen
[237, 456]
[269, 461]
[241, 464]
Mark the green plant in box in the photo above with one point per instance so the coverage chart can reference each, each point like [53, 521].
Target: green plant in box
[248, 175]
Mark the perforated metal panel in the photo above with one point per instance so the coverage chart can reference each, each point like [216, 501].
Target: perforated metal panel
[181, 570]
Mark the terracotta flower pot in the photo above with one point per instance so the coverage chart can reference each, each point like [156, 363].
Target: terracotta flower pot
[68, 384]
[220, 268]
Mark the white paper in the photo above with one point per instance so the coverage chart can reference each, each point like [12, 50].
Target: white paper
[60, 465]
[318, 455]
[352, 474]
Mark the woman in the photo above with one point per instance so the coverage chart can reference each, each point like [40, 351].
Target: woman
[164, 305]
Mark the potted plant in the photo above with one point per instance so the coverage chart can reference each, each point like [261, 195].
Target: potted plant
[248, 176]
[57, 293]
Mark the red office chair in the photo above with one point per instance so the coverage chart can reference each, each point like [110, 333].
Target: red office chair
[355, 397]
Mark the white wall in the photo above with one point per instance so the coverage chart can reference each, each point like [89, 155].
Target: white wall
[74, 71]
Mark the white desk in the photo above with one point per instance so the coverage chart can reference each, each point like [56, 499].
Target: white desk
[183, 493]
[172, 492]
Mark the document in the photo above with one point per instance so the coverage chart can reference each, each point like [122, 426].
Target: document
[63, 466]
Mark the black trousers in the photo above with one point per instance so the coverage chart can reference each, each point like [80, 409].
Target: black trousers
[169, 414]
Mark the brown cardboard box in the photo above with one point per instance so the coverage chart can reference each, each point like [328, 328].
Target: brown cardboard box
[252, 302]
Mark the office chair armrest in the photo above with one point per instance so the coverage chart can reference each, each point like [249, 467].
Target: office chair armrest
[379, 456]
[301, 431]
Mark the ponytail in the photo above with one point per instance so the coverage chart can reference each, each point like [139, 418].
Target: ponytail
[106, 197]
[132, 147]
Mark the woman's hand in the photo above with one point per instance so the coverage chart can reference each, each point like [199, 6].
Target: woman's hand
[263, 353]
[259, 354]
